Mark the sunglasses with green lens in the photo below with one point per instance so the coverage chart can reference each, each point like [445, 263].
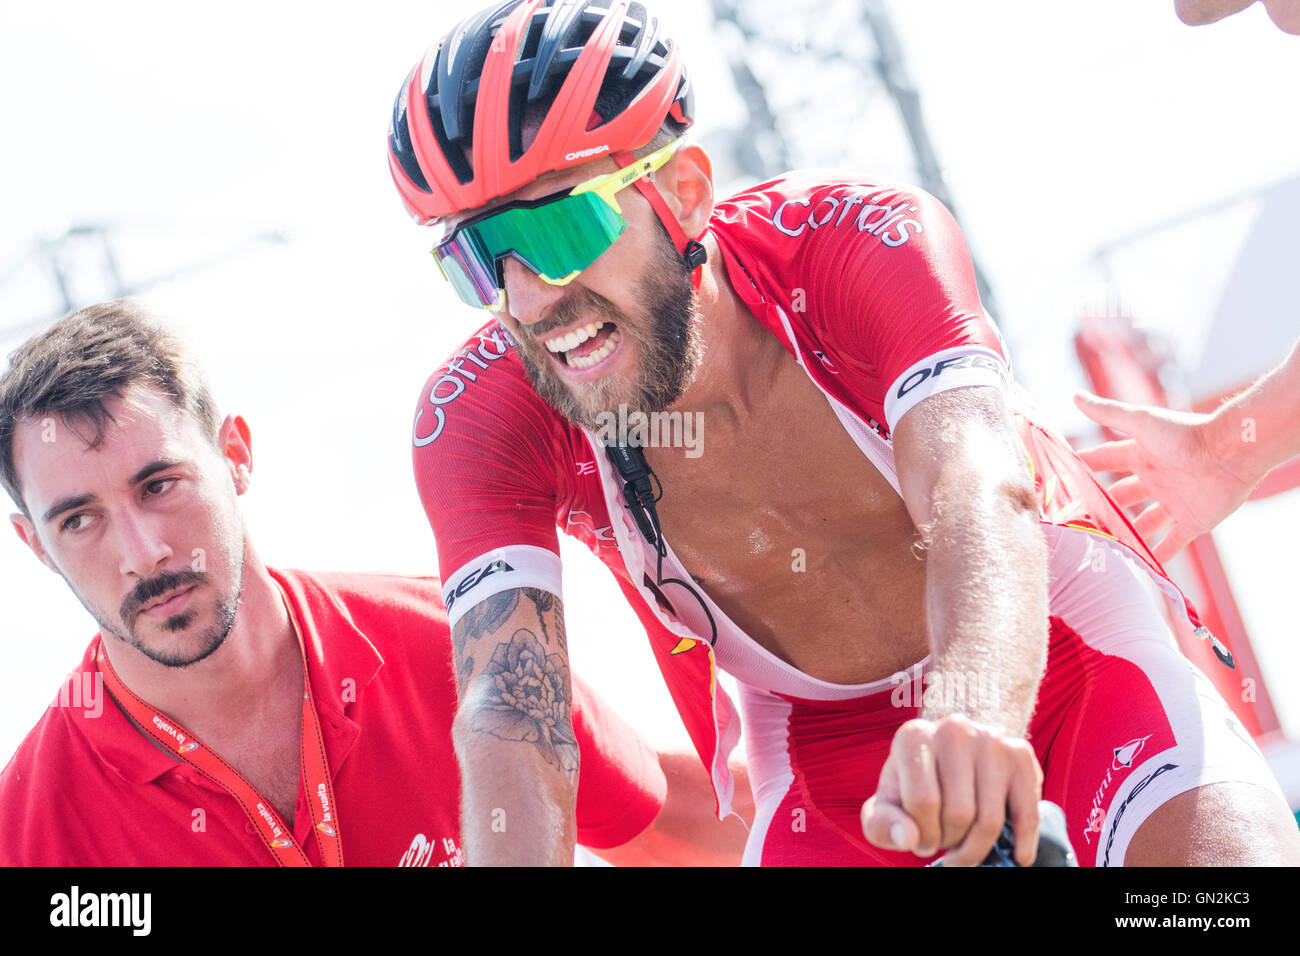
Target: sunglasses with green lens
[555, 237]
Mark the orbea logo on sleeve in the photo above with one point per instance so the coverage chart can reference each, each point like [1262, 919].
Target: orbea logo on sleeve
[473, 579]
[950, 368]
[971, 361]
[888, 219]
[504, 568]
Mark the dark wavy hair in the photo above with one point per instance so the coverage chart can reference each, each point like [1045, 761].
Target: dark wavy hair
[71, 369]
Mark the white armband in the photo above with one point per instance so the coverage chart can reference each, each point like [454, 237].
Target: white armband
[951, 368]
[501, 569]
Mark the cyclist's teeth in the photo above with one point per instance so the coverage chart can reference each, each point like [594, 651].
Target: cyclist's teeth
[601, 353]
[574, 338]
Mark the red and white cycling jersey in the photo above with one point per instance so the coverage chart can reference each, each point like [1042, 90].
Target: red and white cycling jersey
[871, 289]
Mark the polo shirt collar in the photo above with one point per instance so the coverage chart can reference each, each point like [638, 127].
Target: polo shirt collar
[111, 734]
[353, 661]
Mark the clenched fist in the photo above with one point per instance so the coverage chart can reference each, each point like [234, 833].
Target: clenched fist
[950, 785]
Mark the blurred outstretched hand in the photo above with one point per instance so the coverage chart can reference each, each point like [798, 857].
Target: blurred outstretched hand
[1169, 462]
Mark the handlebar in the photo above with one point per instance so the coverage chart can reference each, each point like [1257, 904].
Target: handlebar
[1053, 844]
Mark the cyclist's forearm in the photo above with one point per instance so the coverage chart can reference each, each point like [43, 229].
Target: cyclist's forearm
[513, 731]
[986, 604]
[518, 805]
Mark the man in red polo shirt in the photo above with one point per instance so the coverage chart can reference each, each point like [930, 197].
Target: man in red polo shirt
[228, 713]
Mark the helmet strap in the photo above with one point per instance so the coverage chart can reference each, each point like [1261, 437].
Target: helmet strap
[691, 250]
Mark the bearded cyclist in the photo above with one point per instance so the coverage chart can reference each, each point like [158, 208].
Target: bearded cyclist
[933, 611]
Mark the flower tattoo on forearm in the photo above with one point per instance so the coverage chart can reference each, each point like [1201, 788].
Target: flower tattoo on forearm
[530, 700]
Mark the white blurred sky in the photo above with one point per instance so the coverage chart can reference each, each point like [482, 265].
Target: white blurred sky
[1060, 126]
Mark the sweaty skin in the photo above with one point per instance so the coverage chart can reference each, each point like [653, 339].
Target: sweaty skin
[736, 536]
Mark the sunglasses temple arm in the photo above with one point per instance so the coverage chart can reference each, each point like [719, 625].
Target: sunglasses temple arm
[689, 249]
[657, 202]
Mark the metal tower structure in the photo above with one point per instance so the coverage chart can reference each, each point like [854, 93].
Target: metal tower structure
[825, 84]
[83, 264]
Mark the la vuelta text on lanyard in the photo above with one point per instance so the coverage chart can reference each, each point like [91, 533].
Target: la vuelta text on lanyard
[275, 833]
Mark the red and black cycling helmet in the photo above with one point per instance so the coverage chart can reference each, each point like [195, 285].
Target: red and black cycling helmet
[596, 73]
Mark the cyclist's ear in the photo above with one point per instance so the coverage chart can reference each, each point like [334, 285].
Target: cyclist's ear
[686, 182]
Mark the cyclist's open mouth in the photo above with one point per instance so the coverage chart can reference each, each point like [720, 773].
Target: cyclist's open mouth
[585, 349]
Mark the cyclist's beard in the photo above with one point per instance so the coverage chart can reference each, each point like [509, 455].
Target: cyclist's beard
[665, 334]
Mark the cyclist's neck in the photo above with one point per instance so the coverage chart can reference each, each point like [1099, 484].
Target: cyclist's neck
[741, 358]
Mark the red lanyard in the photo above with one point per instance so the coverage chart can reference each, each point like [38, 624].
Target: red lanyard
[275, 833]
